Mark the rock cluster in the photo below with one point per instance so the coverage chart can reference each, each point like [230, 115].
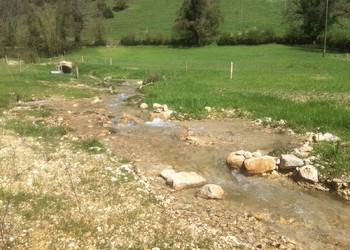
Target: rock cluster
[297, 164]
[251, 163]
[161, 111]
[184, 180]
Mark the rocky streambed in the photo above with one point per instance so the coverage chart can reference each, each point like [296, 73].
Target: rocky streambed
[269, 212]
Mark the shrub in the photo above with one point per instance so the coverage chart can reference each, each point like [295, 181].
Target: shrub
[257, 36]
[152, 77]
[295, 36]
[249, 37]
[154, 38]
[120, 5]
[30, 57]
[130, 38]
[227, 39]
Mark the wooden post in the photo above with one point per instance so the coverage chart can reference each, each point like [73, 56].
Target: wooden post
[82, 59]
[231, 70]
[76, 71]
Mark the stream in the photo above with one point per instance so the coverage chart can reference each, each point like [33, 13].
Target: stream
[315, 219]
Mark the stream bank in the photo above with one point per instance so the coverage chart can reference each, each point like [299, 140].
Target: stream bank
[255, 213]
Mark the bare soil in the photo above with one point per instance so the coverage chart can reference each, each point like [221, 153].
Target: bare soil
[116, 200]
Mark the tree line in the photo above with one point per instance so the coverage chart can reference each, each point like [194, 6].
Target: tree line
[51, 27]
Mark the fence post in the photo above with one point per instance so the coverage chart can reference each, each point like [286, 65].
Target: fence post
[231, 70]
[76, 71]
[82, 59]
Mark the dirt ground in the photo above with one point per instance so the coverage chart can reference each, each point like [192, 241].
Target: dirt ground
[116, 200]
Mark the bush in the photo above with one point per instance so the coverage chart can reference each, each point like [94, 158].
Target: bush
[154, 39]
[340, 43]
[152, 77]
[30, 57]
[130, 38]
[120, 5]
[227, 39]
[295, 36]
[249, 37]
[257, 36]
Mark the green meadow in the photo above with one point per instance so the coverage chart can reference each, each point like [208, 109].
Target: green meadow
[145, 17]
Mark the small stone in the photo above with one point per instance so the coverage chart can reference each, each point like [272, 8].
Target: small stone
[143, 106]
[211, 191]
[208, 109]
[289, 161]
[309, 173]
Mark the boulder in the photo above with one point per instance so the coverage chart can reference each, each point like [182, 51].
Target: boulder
[290, 162]
[211, 191]
[308, 173]
[184, 180]
[235, 161]
[260, 165]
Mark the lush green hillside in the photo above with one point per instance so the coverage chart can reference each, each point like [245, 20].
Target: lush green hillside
[157, 16]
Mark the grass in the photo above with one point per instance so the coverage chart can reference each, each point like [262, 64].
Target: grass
[90, 145]
[24, 128]
[157, 17]
[282, 82]
[34, 81]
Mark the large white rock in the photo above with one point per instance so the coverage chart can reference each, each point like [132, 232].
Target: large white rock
[309, 173]
[260, 165]
[184, 180]
[211, 191]
[290, 161]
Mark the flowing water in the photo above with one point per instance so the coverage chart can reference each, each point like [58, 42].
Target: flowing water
[318, 220]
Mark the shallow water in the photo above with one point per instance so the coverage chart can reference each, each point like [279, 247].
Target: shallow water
[318, 220]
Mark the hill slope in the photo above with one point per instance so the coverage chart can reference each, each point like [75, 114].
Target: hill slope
[157, 16]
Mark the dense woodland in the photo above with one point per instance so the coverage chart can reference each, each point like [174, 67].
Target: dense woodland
[51, 27]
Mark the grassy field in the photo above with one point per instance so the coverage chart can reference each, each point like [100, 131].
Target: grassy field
[292, 83]
[282, 82]
[157, 17]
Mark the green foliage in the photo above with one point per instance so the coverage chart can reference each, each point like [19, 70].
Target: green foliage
[90, 145]
[130, 38]
[197, 22]
[47, 132]
[252, 36]
[311, 15]
[120, 5]
[334, 157]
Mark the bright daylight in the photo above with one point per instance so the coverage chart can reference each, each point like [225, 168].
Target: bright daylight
[174, 124]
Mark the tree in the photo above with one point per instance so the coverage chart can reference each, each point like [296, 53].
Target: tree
[78, 20]
[9, 10]
[310, 15]
[197, 22]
